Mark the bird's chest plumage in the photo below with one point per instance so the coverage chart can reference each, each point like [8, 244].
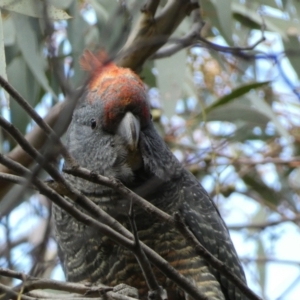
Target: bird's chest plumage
[97, 259]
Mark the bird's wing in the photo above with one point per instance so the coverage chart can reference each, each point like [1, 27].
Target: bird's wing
[204, 220]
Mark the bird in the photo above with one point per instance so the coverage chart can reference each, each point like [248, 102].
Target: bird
[112, 133]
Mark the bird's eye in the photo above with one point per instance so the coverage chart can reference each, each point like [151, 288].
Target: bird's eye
[93, 123]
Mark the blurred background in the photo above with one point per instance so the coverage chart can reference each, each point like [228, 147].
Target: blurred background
[228, 105]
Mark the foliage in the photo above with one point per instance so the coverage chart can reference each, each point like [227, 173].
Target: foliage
[229, 111]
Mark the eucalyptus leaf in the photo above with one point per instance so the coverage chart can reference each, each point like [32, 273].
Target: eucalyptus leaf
[262, 106]
[2, 55]
[33, 8]
[27, 41]
[17, 74]
[22, 79]
[170, 80]
[238, 92]
[210, 13]
[61, 4]
[292, 46]
[236, 111]
[9, 31]
[255, 18]
[147, 75]
[77, 30]
[290, 27]
[268, 195]
[261, 266]
[100, 10]
[223, 9]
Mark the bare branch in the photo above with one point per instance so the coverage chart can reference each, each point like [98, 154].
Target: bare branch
[9, 292]
[187, 40]
[173, 221]
[151, 7]
[32, 283]
[14, 179]
[264, 225]
[156, 292]
[36, 138]
[92, 177]
[234, 50]
[152, 32]
[125, 238]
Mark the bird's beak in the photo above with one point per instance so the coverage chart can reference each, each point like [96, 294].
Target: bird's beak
[129, 129]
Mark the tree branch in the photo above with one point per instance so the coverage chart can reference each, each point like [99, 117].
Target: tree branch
[30, 284]
[156, 292]
[124, 238]
[264, 225]
[187, 40]
[173, 221]
[151, 32]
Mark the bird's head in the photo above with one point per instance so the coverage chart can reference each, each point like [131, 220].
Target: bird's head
[111, 131]
[110, 119]
[120, 97]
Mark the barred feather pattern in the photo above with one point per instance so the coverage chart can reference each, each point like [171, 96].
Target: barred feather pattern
[152, 171]
[87, 256]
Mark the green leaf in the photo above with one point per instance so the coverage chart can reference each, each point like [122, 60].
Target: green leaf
[77, 30]
[292, 45]
[223, 9]
[92, 37]
[27, 41]
[61, 4]
[147, 74]
[33, 8]
[289, 27]
[9, 31]
[100, 10]
[261, 266]
[254, 17]
[17, 75]
[246, 21]
[239, 112]
[22, 79]
[262, 106]
[240, 91]
[268, 195]
[2, 55]
[170, 82]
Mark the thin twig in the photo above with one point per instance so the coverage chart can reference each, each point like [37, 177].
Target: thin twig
[84, 173]
[264, 225]
[32, 283]
[124, 239]
[187, 40]
[151, 209]
[264, 260]
[152, 31]
[150, 7]
[36, 138]
[156, 292]
[234, 50]
[4, 248]
[34, 115]
[9, 293]
[14, 179]
[121, 189]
